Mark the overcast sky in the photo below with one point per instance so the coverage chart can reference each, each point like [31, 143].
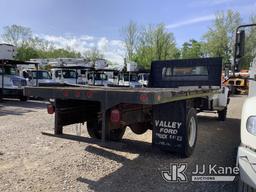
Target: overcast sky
[82, 24]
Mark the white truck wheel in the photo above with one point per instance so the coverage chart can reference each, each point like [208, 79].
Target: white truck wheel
[190, 134]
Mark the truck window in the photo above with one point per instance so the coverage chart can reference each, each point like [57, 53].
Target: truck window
[89, 76]
[197, 70]
[9, 71]
[69, 74]
[40, 75]
[133, 77]
[176, 73]
[100, 76]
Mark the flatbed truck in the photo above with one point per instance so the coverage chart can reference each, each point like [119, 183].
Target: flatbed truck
[177, 91]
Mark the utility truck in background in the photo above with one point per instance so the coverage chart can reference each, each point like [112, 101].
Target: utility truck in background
[100, 77]
[246, 156]
[7, 51]
[67, 75]
[37, 77]
[11, 84]
[129, 79]
[177, 90]
[143, 79]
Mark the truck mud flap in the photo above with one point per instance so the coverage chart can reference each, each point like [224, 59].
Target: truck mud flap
[169, 126]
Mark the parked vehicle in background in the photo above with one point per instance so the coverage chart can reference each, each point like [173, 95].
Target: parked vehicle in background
[129, 79]
[37, 77]
[99, 78]
[66, 75]
[143, 79]
[238, 82]
[11, 84]
[7, 51]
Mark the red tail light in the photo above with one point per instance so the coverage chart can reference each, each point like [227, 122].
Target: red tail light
[143, 98]
[50, 109]
[115, 116]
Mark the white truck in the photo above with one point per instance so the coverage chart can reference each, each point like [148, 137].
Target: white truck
[129, 79]
[143, 79]
[99, 77]
[246, 156]
[37, 77]
[66, 75]
[11, 84]
[7, 51]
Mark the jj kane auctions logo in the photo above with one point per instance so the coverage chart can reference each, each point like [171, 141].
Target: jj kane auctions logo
[211, 172]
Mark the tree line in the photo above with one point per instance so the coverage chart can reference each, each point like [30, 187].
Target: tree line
[30, 46]
[143, 44]
[154, 42]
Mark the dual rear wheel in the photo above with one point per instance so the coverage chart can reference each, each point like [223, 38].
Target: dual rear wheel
[94, 128]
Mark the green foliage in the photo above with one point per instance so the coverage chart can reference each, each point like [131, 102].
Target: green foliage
[154, 43]
[191, 49]
[25, 53]
[219, 40]
[46, 67]
[250, 45]
[31, 47]
[58, 53]
[148, 43]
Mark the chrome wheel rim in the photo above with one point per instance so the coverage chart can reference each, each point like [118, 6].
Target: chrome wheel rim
[192, 132]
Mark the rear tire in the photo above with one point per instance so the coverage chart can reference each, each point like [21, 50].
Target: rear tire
[222, 115]
[190, 135]
[94, 128]
[140, 128]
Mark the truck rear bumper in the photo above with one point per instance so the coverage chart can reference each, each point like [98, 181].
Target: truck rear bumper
[247, 165]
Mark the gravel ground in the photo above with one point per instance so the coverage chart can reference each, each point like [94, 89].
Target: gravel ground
[32, 159]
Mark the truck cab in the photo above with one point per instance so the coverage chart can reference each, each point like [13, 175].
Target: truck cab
[129, 79]
[65, 75]
[37, 77]
[11, 83]
[246, 158]
[246, 155]
[98, 78]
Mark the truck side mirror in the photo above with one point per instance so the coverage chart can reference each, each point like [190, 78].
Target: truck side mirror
[240, 43]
